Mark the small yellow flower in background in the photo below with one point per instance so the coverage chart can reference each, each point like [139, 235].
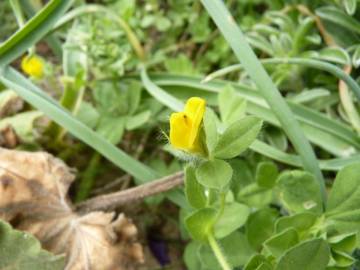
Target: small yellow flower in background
[185, 126]
[33, 66]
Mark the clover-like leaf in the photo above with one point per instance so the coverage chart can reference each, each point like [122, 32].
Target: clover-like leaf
[237, 137]
[22, 251]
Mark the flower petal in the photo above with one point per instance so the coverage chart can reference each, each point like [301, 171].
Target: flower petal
[195, 109]
[180, 127]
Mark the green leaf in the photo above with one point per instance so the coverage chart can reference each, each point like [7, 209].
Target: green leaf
[195, 192]
[236, 248]
[111, 128]
[22, 251]
[344, 200]
[260, 226]
[179, 65]
[237, 137]
[299, 191]
[335, 54]
[266, 174]
[242, 175]
[310, 255]
[210, 126]
[259, 42]
[133, 96]
[343, 242]
[87, 114]
[23, 124]
[74, 58]
[281, 242]
[337, 16]
[356, 57]
[160, 94]
[214, 174]
[137, 120]
[258, 262]
[35, 29]
[190, 256]
[350, 6]
[276, 137]
[200, 223]
[342, 259]
[162, 23]
[300, 222]
[233, 217]
[232, 106]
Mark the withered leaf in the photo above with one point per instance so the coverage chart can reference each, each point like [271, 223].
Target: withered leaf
[10, 103]
[33, 196]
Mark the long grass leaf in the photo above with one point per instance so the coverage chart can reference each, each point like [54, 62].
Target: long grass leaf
[313, 63]
[35, 29]
[19, 84]
[236, 39]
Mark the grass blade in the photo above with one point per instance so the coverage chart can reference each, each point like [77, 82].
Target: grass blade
[321, 65]
[49, 107]
[35, 29]
[267, 88]
[160, 94]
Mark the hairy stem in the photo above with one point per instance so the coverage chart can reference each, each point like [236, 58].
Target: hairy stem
[218, 253]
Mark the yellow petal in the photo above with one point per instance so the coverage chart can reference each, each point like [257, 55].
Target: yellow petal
[195, 109]
[33, 66]
[180, 127]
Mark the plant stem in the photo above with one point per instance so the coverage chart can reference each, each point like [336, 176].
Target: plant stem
[88, 177]
[113, 200]
[222, 205]
[218, 253]
[70, 100]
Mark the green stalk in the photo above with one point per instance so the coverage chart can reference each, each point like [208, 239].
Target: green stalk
[218, 253]
[321, 65]
[70, 99]
[267, 88]
[88, 178]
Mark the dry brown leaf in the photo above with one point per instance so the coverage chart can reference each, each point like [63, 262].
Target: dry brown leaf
[10, 103]
[33, 196]
[8, 137]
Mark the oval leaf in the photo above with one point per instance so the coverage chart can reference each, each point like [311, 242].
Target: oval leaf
[309, 255]
[214, 174]
[200, 223]
[237, 137]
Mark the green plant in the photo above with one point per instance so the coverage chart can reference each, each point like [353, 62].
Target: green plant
[115, 69]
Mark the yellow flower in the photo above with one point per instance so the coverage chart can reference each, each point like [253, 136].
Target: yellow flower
[33, 66]
[185, 126]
